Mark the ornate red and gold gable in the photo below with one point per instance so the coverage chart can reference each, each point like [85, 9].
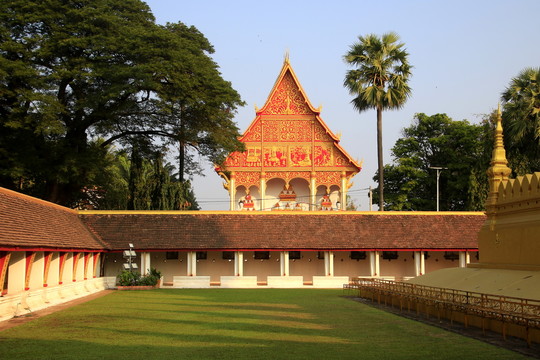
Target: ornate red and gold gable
[293, 161]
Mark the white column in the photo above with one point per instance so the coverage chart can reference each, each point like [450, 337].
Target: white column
[68, 268]
[262, 191]
[36, 276]
[419, 263]
[232, 191]
[145, 263]
[16, 274]
[464, 258]
[329, 263]
[192, 263]
[284, 263]
[343, 191]
[54, 266]
[312, 193]
[374, 263]
[238, 263]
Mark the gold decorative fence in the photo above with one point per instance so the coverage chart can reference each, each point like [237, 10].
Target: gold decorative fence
[455, 304]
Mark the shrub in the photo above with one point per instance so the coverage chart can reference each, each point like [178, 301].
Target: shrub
[134, 278]
[128, 278]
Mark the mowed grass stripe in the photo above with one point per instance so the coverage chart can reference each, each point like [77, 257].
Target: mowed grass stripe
[234, 324]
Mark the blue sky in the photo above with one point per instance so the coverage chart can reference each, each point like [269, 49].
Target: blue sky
[464, 55]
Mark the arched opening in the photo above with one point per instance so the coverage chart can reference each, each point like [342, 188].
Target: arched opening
[273, 189]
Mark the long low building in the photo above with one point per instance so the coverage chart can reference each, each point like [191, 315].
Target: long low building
[50, 254]
[283, 248]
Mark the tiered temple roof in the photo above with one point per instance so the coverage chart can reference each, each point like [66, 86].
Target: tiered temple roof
[289, 140]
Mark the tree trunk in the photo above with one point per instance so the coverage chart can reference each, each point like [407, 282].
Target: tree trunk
[181, 161]
[181, 146]
[380, 158]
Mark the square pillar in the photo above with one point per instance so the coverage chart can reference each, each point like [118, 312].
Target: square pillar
[343, 192]
[262, 191]
[464, 258]
[232, 191]
[329, 263]
[145, 263]
[52, 278]
[192, 263]
[419, 263]
[374, 264]
[37, 273]
[284, 263]
[238, 263]
[312, 192]
[16, 274]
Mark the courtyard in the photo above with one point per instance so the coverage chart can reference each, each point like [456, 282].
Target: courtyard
[234, 324]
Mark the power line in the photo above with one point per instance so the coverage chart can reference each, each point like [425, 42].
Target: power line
[225, 200]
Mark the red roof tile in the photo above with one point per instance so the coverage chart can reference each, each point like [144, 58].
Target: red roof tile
[273, 230]
[27, 222]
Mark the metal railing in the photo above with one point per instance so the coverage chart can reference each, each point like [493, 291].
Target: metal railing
[507, 310]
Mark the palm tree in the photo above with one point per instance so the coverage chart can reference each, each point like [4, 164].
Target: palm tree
[521, 114]
[378, 81]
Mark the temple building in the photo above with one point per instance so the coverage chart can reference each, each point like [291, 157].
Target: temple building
[292, 161]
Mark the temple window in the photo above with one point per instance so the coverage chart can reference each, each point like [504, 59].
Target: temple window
[294, 255]
[228, 255]
[261, 255]
[358, 255]
[390, 255]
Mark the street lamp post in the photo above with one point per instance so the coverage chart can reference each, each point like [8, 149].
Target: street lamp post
[439, 169]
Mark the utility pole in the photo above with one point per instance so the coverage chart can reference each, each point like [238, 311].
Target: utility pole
[439, 169]
[370, 195]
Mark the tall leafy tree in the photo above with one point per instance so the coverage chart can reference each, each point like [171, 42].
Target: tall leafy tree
[71, 70]
[437, 140]
[521, 121]
[76, 76]
[378, 81]
[196, 106]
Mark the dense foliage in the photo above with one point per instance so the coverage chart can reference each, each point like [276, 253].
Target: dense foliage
[77, 77]
[521, 121]
[134, 278]
[141, 180]
[378, 81]
[463, 149]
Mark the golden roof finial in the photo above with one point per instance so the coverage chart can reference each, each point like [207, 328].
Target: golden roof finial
[499, 154]
[498, 171]
[286, 59]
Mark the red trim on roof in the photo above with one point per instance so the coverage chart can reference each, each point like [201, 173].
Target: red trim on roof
[16, 248]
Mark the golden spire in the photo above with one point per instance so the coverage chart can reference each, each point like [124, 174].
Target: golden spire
[286, 59]
[498, 171]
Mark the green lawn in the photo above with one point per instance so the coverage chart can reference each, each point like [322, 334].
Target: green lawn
[234, 324]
